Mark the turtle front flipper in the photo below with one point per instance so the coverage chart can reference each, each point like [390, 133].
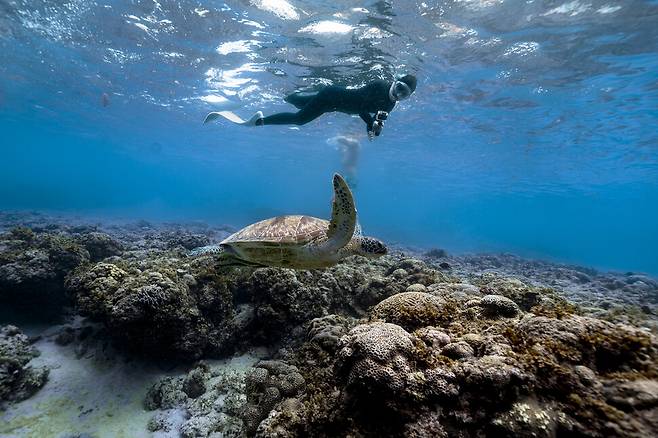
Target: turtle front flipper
[343, 215]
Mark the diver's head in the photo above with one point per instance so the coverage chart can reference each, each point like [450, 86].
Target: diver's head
[402, 88]
[371, 247]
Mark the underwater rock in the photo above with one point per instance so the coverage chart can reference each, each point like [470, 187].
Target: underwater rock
[411, 310]
[454, 291]
[498, 305]
[376, 356]
[458, 350]
[522, 294]
[396, 276]
[599, 345]
[571, 358]
[487, 379]
[100, 245]
[418, 272]
[631, 395]
[33, 267]
[201, 426]
[165, 394]
[184, 239]
[617, 297]
[436, 253]
[267, 384]
[216, 410]
[159, 305]
[416, 288]
[163, 422]
[18, 380]
[433, 337]
[326, 331]
[65, 336]
[154, 309]
[284, 298]
[194, 384]
[427, 425]
[279, 420]
[525, 419]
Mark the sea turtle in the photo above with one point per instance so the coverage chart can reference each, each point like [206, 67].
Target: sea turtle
[299, 242]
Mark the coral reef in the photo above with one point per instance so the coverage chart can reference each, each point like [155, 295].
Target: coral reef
[537, 376]
[158, 306]
[498, 305]
[268, 383]
[100, 245]
[327, 331]
[33, 266]
[376, 356]
[629, 297]
[410, 310]
[207, 400]
[402, 346]
[18, 380]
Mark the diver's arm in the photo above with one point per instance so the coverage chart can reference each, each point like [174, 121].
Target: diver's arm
[370, 125]
[366, 117]
[374, 125]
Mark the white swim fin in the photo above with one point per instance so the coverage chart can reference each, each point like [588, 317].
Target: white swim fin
[232, 117]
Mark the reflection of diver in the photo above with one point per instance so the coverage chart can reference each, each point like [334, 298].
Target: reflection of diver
[350, 148]
[378, 97]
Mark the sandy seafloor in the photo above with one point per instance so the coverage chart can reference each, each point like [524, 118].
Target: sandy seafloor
[97, 382]
[83, 395]
[91, 396]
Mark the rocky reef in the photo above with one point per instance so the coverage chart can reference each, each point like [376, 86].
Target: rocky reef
[409, 345]
[33, 266]
[18, 379]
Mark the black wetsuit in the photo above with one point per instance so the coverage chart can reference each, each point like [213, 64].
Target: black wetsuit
[363, 101]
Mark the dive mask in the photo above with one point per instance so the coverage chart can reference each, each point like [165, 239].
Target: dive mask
[399, 91]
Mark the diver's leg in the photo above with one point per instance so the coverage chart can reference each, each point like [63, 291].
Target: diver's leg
[300, 100]
[313, 109]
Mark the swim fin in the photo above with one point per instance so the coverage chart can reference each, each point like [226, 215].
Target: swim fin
[232, 117]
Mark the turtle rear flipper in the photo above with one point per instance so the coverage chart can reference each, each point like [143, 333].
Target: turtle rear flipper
[206, 250]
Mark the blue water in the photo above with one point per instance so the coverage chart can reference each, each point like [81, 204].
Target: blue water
[533, 129]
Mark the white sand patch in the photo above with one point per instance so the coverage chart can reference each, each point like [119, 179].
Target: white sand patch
[103, 398]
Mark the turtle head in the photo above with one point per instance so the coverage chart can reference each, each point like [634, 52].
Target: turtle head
[370, 247]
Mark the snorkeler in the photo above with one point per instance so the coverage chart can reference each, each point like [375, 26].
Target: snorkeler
[371, 102]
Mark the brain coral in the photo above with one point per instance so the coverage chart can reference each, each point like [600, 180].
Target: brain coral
[410, 310]
[376, 355]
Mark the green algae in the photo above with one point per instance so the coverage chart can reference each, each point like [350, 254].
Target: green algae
[21, 233]
[558, 310]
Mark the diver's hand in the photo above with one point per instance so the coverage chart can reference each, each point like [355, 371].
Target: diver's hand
[381, 116]
[377, 127]
[375, 130]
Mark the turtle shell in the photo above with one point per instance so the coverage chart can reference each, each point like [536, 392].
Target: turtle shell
[282, 230]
